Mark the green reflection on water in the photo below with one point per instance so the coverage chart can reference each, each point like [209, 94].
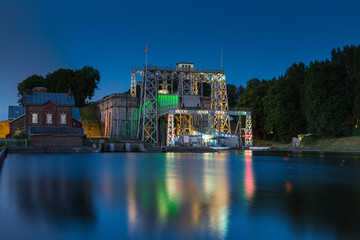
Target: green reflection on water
[187, 192]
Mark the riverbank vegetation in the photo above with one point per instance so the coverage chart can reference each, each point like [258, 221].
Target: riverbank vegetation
[322, 98]
[352, 142]
[91, 123]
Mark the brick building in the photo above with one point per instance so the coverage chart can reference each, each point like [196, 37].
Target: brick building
[48, 119]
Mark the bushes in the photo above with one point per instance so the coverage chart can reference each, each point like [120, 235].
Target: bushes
[309, 140]
[356, 132]
[20, 135]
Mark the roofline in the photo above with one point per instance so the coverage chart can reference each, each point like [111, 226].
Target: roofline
[55, 135]
[16, 118]
[114, 95]
[24, 95]
[46, 102]
[78, 120]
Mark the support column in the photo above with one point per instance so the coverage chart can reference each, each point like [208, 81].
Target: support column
[133, 84]
[170, 129]
[148, 124]
[248, 131]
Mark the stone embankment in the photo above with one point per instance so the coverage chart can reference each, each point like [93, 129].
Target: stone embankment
[3, 154]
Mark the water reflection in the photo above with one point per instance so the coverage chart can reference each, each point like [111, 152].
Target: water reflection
[185, 194]
[179, 196]
[42, 191]
[249, 176]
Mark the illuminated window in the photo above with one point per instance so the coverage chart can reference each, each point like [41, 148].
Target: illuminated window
[62, 118]
[34, 118]
[49, 118]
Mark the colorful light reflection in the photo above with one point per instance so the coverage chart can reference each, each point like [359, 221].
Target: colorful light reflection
[249, 176]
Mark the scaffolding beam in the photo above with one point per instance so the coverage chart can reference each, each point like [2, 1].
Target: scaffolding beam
[170, 129]
[148, 114]
[248, 131]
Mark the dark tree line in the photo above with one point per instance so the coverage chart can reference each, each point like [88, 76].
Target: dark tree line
[82, 83]
[322, 98]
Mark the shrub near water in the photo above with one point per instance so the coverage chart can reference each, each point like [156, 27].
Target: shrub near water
[20, 135]
[309, 140]
[90, 122]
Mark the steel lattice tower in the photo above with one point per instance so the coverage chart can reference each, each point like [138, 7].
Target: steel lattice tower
[154, 83]
[148, 117]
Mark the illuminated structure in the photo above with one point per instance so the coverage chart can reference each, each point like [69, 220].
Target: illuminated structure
[172, 104]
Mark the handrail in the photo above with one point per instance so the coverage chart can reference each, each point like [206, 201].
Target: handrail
[179, 69]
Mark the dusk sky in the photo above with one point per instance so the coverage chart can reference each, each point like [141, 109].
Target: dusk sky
[260, 39]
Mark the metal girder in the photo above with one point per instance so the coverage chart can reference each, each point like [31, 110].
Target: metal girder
[183, 124]
[133, 84]
[170, 129]
[163, 78]
[185, 83]
[219, 102]
[196, 80]
[248, 131]
[238, 131]
[210, 129]
[148, 115]
[134, 74]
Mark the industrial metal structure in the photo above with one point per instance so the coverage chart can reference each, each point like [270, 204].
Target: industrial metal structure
[173, 105]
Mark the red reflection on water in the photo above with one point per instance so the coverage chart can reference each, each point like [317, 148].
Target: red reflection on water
[249, 176]
[288, 187]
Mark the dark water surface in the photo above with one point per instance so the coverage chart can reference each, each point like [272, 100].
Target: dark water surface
[236, 195]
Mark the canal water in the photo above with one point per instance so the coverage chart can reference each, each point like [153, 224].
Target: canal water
[232, 195]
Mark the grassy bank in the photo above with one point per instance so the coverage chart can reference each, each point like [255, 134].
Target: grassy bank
[344, 143]
[270, 143]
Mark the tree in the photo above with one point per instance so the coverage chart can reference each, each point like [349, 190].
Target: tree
[328, 100]
[82, 83]
[87, 80]
[284, 104]
[280, 110]
[28, 84]
[252, 97]
[233, 95]
[348, 60]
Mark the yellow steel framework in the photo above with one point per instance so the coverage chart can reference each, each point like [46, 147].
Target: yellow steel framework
[183, 124]
[170, 129]
[155, 81]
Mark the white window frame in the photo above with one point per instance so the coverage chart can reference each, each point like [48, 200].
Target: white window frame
[49, 117]
[62, 118]
[34, 118]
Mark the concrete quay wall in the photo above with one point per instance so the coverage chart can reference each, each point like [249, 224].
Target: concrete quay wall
[53, 150]
[122, 147]
[3, 154]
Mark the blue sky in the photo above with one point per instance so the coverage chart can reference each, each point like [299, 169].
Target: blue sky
[259, 38]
